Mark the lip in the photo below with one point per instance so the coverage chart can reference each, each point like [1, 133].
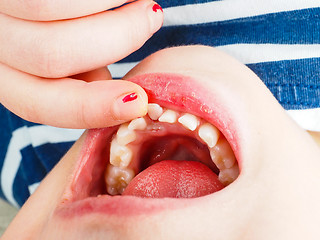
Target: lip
[174, 91]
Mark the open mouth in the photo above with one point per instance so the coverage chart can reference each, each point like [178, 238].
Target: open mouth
[169, 154]
[178, 150]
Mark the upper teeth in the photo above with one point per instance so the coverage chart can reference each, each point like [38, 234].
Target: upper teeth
[137, 124]
[117, 179]
[168, 116]
[121, 154]
[209, 134]
[154, 111]
[190, 121]
[125, 135]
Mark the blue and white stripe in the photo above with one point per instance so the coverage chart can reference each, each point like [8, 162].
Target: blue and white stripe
[23, 137]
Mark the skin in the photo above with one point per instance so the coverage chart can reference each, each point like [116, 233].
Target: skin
[275, 197]
[41, 60]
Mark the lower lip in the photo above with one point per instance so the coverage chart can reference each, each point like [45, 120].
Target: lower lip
[122, 206]
[187, 97]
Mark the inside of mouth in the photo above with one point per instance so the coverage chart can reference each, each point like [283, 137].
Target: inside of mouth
[168, 154]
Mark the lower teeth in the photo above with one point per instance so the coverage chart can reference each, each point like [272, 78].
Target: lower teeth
[119, 172]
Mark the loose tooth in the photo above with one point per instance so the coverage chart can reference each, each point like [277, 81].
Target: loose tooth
[189, 121]
[154, 111]
[137, 124]
[120, 156]
[168, 116]
[228, 175]
[117, 179]
[125, 135]
[209, 134]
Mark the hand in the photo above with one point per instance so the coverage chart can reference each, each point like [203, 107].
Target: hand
[36, 56]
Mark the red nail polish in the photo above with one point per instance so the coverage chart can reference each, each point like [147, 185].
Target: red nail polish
[130, 97]
[157, 7]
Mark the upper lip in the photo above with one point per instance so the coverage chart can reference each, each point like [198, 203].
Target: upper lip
[173, 91]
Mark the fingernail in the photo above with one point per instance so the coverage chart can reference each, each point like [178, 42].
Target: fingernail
[156, 7]
[129, 106]
[156, 16]
[130, 97]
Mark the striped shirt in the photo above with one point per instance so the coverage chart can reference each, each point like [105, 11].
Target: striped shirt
[278, 39]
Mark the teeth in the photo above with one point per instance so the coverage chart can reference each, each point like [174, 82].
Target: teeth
[118, 175]
[189, 121]
[229, 161]
[125, 135]
[137, 124]
[228, 175]
[154, 111]
[217, 158]
[222, 155]
[168, 116]
[120, 156]
[117, 179]
[209, 134]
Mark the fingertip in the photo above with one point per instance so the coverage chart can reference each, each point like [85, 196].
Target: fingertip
[110, 103]
[130, 105]
[155, 13]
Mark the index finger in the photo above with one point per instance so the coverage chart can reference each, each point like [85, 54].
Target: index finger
[71, 103]
[48, 10]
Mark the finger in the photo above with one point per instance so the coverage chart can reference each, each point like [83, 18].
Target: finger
[69, 47]
[94, 75]
[48, 10]
[71, 103]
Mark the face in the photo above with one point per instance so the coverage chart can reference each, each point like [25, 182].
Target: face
[215, 158]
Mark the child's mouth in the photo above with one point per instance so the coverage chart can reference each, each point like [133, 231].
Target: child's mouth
[178, 150]
[169, 154]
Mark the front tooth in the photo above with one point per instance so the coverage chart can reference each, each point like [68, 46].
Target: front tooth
[120, 155]
[117, 179]
[154, 111]
[228, 175]
[189, 121]
[209, 134]
[125, 135]
[168, 116]
[137, 124]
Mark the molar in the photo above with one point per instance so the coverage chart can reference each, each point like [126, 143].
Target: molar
[189, 121]
[217, 158]
[120, 155]
[117, 179]
[228, 175]
[222, 154]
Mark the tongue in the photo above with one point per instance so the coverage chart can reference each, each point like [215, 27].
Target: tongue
[175, 179]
